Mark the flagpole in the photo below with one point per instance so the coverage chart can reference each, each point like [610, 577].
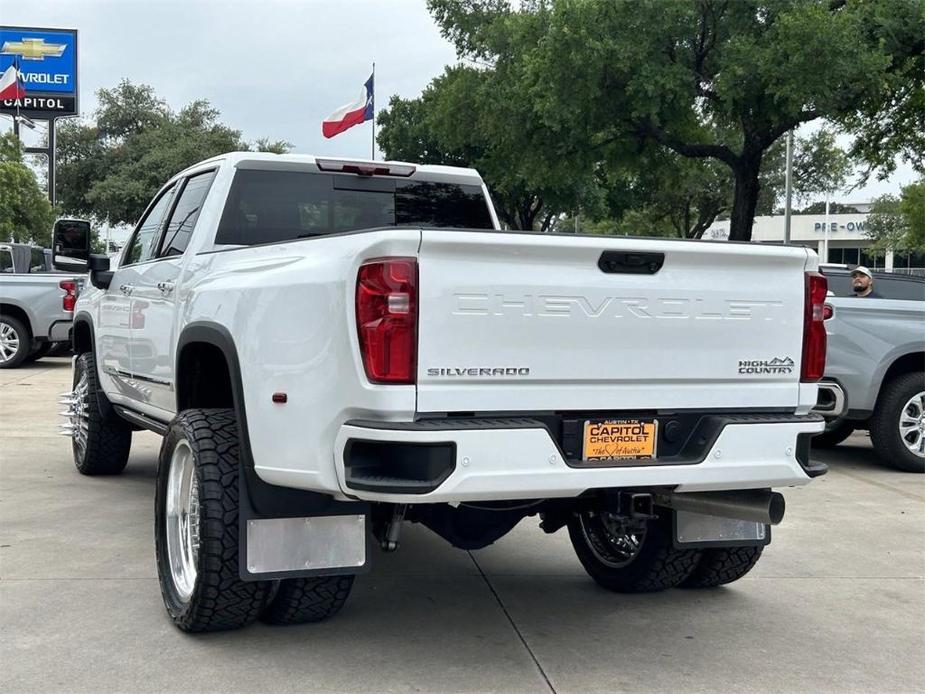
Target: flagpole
[374, 112]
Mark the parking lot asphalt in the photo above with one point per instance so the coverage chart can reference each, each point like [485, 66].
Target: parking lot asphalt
[837, 602]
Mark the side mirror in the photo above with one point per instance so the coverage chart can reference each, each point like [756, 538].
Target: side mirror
[71, 245]
[100, 274]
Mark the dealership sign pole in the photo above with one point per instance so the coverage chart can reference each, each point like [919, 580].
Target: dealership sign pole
[46, 60]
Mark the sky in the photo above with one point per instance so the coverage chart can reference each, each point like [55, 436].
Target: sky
[274, 69]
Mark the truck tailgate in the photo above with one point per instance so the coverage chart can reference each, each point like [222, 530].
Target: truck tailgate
[528, 322]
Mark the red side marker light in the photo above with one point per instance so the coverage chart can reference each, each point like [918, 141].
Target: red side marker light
[280, 398]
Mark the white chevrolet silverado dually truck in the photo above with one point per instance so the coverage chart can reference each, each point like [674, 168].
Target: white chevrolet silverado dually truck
[332, 348]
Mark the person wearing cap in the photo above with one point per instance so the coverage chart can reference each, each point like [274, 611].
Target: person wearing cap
[862, 282]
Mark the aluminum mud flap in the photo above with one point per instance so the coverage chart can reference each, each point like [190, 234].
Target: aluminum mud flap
[692, 530]
[288, 547]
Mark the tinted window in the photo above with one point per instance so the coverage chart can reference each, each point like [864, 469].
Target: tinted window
[6, 261]
[144, 241]
[185, 214]
[269, 206]
[36, 260]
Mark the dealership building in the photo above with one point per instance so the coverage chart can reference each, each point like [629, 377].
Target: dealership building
[847, 240]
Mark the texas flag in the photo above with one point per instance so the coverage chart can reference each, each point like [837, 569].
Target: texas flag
[11, 86]
[352, 114]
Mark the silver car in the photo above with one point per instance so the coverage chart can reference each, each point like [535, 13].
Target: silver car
[36, 304]
[876, 358]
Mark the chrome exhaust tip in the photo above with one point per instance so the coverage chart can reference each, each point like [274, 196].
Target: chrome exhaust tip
[831, 400]
[754, 505]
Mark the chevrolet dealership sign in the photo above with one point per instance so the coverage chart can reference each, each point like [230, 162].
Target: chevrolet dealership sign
[47, 63]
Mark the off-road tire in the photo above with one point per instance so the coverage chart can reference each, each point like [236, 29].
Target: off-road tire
[109, 437]
[722, 565]
[834, 436]
[657, 566]
[884, 431]
[25, 342]
[302, 600]
[220, 600]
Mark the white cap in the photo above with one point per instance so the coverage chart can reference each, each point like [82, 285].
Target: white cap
[862, 270]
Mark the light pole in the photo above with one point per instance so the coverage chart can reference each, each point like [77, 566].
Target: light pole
[788, 185]
[825, 235]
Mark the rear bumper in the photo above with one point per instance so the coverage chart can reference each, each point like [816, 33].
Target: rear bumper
[434, 461]
[60, 331]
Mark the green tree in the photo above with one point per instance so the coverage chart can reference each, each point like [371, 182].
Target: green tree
[470, 117]
[885, 225]
[110, 166]
[26, 216]
[818, 208]
[819, 165]
[706, 79]
[264, 144]
[898, 222]
[912, 207]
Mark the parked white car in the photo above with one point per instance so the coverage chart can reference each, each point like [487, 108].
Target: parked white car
[332, 347]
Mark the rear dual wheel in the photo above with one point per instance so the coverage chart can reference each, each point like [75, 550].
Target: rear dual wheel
[634, 556]
[196, 537]
[630, 556]
[100, 439]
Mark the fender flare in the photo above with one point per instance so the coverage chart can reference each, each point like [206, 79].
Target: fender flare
[256, 498]
[219, 336]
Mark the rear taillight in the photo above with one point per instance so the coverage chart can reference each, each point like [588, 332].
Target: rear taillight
[814, 340]
[70, 294]
[387, 313]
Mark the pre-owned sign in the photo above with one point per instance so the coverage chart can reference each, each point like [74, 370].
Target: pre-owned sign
[47, 63]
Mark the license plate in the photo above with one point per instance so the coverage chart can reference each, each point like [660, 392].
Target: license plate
[620, 439]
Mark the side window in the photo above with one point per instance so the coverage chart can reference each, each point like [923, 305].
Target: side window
[144, 241]
[6, 260]
[185, 214]
[36, 260]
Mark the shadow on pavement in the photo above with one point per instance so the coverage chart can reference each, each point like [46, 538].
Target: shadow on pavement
[854, 454]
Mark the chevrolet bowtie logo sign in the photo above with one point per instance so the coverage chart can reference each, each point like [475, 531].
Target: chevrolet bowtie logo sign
[33, 49]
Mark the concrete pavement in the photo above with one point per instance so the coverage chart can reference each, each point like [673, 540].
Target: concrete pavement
[837, 602]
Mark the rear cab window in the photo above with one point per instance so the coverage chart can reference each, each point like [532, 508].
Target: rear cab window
[36, 260]
[886, 286]
[265, 206]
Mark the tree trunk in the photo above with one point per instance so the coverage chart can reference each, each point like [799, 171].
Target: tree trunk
[745, 198]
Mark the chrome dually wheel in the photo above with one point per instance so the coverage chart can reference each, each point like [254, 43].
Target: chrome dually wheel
[196, 525]
[100, 439]
[182, 516]
[912, 424]
[77, 414]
